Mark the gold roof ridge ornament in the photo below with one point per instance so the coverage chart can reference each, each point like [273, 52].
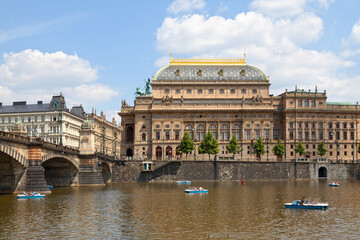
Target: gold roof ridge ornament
[208, 61]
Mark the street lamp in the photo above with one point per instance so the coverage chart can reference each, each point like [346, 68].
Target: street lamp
[267, 144]
[194, 137]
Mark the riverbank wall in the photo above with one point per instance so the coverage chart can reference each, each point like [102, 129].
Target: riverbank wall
[135, 171]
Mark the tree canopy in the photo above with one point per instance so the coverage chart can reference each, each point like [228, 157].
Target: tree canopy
[321, 149]
[278, 149]
[187, 144]
[300, 149]
[259, 147]
[209, 145]
[233, 146]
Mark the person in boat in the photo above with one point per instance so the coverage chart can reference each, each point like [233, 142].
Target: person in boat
[200, 189]
[302, 201]
[24, 193]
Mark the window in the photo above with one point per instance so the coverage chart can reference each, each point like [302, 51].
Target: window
[221, 72]
[321, 135]
[276, 132]
[167, 135]
[243, 90]
[306, 102]
[36, 118]
[167, 126]
[337, 125]
[330, 146]
[313, 136]
[211, 91]
[321, 125]
[312, 102]
[3, 120]
[9, 119]
[257, 134]
[306, 135]
[267, 134]
[331, 135]
[330, 125]
[300, 135]
[242, 72]
[299, 124]
[254, 91]
[306, 125]
[199, 72]
[291, 135]
[157, 126]
[291, 125]
[177, 91]
[199, 91]
[177, 72]
[157, 135]
[143, 126]
[177, 135]
[248, 133]
[351, 125]
[345, 135]
[43, 118]
[188, 91]
[143, 137]
[222, 91]
[337, 135]
[167, 91]
[177, 126]
[352, 135]
[299, 103]
[232, 91]
[344, 125]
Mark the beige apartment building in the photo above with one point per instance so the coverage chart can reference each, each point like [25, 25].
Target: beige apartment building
[227, 96]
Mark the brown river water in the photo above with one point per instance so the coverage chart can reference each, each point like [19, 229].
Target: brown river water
[229, 210]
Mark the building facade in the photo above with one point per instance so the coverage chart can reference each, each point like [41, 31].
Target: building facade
[229, 97]
[107, 134]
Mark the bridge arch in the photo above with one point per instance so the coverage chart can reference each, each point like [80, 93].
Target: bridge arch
[14, 154]
[60, 171]
[106, 171]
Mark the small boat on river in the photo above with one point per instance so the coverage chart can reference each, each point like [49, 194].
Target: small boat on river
[50, 187]
[334, 184]
[296, 204]
[183, 182]
[30, 196]
[196, 190]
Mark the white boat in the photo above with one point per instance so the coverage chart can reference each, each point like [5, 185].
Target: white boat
[30, 196]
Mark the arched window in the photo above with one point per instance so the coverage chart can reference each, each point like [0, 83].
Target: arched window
[129, 152]
[224, 127]
[200, 132]
[213, 130]
[158, 151]
[130, 134]
[143, 137]
[168, 151]
[236, 126]
[236, 131]
[212, 127]
[224, 132]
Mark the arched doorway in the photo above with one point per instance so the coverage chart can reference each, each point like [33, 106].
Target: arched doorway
[158, 153]
[322, 172]
[168, 152]
[130, 134]
[129, 152]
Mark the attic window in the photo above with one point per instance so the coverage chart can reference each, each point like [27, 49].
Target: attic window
[199, 72]
[177, 72]
[221, 72]
[242, 72]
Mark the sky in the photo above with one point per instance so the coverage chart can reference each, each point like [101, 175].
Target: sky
[97, 52]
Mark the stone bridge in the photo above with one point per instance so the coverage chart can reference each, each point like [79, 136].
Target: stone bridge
[31, 164]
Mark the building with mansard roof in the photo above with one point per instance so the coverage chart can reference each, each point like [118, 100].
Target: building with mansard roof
[229, 97]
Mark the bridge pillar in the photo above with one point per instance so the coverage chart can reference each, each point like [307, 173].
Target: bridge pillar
[35, 173]
[90, 171]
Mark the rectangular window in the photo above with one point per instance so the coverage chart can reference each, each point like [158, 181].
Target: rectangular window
[232, 91]
[36, 118]
[331, 135]
[9, 119]
[313, 137]
[300, 135]
[200, 91]
[211, 91]
[237, 135]
[291, 125]
[167, 135]
[42, 129]
[177, 135]
[321, 125]
[291, 135]
[344, 125]
[3, 120]
[197, 136]
[337, 135]
[306, 135]
[345, 135]
[266, 134]
[202, 136]
[257, 134]
[188, 91]
[215, 135]
[43, 118]
[321, 135]
[243, 90]
[177, 91]
[306, 125]
[157, 135]
[351, 125]
[312, 102]
[222, 91]
[306, 102]
[352, 135]
[167, 91]
[248, 134]
[330, 125]
[226, 135]
[337, 125]
[299, 103]
[330, 146]
[222, 136]
[254, 90]
[299, 125]
[330, 154]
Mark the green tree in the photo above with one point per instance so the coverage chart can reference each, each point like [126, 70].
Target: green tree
[233, 147]
[209, 145]
[259, 147]
[321, 149]
[187, 144]
[300, 149]
[279, 149]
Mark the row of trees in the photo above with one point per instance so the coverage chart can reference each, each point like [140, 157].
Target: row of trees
[211, 146]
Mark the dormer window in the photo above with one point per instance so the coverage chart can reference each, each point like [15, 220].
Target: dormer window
[242, 72]
[199, 72]
[221, 72]
[177, 72]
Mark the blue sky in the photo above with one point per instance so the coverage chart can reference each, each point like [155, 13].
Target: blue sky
[97, 52]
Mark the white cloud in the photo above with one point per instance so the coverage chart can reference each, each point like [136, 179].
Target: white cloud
[222, 7]
[278, 8]
[185, 6]
[276, 46]
[355, 33]
[32, 75]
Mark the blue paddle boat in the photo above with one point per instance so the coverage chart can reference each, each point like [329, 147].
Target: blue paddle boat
[30, 196]
[296, 205]
[196, 190]
[183, 182]
[50, 187]
[334, 184]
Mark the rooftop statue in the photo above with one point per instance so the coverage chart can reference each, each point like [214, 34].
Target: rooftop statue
[139, 92]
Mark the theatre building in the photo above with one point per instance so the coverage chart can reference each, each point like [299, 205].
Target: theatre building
[229, 97]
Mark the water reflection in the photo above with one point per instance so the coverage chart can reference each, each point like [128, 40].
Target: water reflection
[164, 211]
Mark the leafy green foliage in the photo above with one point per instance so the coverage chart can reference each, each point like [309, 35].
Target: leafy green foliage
[259, 147]
[300, 149]
[321, 149]
[233, 147]
[209, 145]
[187, 144]
[278, 149]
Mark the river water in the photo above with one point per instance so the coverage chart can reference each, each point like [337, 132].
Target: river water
[163, 211]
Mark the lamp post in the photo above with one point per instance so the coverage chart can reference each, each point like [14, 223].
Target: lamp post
[194, 138]
[163, 152]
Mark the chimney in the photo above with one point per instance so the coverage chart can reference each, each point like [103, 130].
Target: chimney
[0, 104]
[40, 102]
